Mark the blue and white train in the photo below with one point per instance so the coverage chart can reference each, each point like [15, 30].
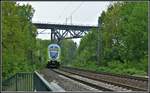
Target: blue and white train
[54, 56]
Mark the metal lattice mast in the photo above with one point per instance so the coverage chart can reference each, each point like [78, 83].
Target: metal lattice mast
[99, 43]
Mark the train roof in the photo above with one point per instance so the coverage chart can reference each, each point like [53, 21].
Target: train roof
[53, 45]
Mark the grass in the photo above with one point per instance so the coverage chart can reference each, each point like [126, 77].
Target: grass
[127, 68]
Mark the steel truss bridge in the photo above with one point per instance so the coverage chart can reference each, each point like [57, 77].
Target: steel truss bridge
[62, 31]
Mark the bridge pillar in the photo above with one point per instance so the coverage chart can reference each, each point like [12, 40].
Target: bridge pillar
[52, 35]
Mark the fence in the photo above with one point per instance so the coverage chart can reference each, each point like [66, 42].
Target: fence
[25, 82]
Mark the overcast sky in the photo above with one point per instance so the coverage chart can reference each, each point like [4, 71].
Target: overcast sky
[85, 13]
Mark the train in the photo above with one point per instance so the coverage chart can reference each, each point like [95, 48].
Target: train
[53, 56]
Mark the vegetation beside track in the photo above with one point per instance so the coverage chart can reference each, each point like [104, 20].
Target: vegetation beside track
[127, 68]
[21, 51]
[124, 37]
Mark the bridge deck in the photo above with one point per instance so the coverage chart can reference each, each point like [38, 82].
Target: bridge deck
[62, 26]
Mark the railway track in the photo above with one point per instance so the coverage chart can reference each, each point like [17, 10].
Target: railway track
[65, 82]
[117, 82]
[80, 79]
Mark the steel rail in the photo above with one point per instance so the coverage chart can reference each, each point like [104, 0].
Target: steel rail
[111, 74]
[103, 80]
[84, 82]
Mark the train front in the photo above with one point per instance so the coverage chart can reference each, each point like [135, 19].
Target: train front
[53, 53]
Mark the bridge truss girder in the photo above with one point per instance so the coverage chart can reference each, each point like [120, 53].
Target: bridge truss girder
[60, 31]
[58, 35]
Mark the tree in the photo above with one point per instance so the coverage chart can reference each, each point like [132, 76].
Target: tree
[68, 51]
[18, 38]
[124, 36]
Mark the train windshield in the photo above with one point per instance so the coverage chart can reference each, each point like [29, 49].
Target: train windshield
[54, 54]
[53, 51]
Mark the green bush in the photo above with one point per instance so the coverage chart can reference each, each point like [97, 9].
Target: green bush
[127, 68]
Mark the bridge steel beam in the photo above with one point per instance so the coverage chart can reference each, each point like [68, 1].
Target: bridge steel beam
[61, 31]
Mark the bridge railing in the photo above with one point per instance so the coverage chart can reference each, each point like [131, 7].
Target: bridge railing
[76, 24]
[25, 82]
[40, 84]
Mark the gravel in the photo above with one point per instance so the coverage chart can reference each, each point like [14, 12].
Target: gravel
[64, 82]
[109, 78]
[98, 83]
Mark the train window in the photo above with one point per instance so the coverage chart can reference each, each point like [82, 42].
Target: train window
[55, 47]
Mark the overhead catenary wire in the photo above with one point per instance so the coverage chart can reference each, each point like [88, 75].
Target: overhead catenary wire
[76, 9]
[63, 11]
[70, 16]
